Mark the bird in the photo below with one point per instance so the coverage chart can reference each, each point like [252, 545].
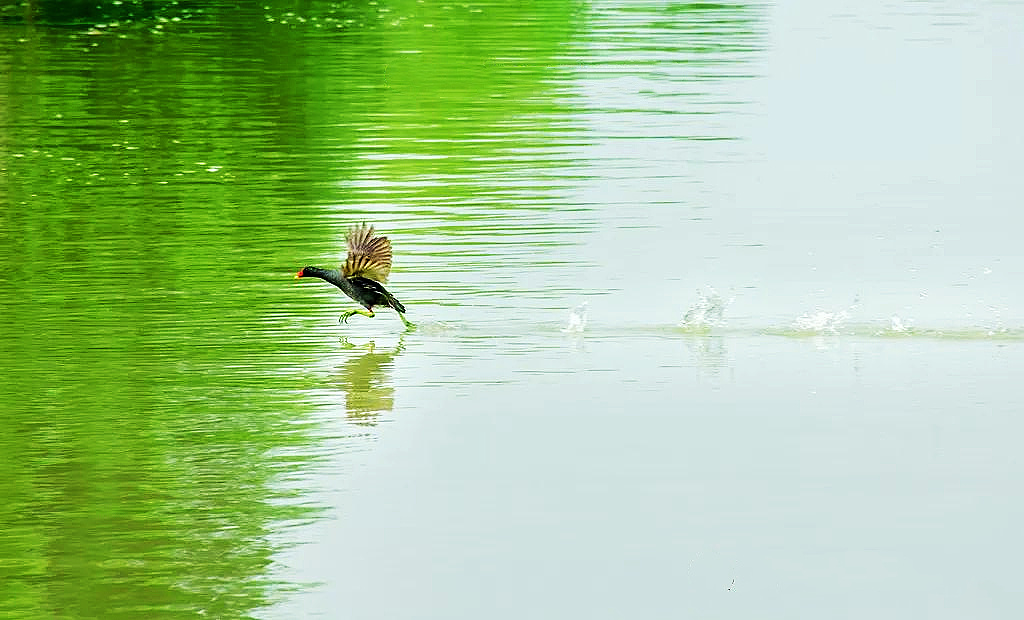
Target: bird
[362, 275]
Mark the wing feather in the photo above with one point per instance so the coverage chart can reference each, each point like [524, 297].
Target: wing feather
[369, 256]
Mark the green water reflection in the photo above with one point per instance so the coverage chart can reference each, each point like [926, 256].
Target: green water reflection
[158, 183]
[138, 470]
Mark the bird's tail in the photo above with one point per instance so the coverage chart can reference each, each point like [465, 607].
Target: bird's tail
[394, 303]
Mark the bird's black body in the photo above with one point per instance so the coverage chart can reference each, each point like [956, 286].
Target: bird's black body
[364, 291]
[373, 293]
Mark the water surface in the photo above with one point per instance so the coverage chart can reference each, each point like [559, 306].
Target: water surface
[718, 311]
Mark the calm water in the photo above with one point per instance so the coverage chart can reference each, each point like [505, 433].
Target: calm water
[719, 311]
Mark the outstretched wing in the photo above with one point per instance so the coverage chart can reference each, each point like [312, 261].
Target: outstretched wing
[369, 256]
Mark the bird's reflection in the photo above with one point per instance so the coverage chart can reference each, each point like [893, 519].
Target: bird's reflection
[366, 380]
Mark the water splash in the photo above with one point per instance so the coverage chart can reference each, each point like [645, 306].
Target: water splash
[435, 327]
[707, 312]
[577, 320]
[821, 322]
[898, 326]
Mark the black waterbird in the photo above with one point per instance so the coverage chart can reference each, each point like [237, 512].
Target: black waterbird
[362, 276]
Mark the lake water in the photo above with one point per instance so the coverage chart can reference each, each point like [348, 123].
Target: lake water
[719, 310]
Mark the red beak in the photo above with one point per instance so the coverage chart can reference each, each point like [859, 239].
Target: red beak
[299, 274]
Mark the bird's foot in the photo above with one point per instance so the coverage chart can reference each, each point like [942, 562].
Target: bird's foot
[348, 313]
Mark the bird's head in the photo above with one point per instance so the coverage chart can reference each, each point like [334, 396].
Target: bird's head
[301, 273]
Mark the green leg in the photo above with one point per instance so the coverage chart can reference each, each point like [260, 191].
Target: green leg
[345, 315]
[407, 322]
